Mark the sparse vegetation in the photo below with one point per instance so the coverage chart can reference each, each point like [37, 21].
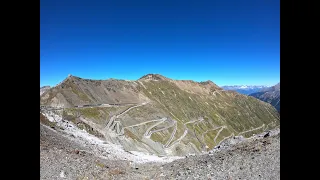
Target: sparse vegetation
[129, 134]
[98, 163]
[116, 171]
[74, 117]
[45, 121]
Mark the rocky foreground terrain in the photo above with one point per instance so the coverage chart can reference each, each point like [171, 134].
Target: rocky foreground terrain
[63, 157]
[254, 158]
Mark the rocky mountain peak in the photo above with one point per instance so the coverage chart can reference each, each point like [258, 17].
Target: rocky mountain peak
[156, 77]
[210, 83]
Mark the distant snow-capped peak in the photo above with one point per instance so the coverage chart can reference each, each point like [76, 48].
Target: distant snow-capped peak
[244, 87]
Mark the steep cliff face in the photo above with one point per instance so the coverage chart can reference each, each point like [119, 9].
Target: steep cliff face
[159, 115]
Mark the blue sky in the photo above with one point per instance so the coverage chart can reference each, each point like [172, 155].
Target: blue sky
[229, 42]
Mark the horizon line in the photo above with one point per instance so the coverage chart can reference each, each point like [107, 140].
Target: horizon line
[100, 79]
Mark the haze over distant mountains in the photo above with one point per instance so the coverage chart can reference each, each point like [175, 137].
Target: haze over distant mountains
[245, 89]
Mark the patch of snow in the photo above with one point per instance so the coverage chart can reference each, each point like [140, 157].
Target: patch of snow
[62, 174]
[152, 158]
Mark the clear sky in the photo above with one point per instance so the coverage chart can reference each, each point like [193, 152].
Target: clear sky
[229, 42]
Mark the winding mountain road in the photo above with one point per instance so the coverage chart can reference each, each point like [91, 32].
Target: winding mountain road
[184, 133]
[203, 134]
[146, 134]
[116, 125]
[146, 122]
[252, 129]
[172, 135]
[215, 138]
[110, 124]
[154, 131]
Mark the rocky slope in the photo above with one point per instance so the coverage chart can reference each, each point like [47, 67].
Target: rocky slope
[63, 156]
[270, 95]
[44, 89]
[158, 115]
[71, 156]
[254, 158]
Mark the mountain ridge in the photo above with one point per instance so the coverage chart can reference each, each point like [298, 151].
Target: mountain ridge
[144, 77]
[159, 115]
[270, 95]
[245, 89]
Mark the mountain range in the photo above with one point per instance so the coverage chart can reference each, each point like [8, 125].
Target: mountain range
[156, 114]
[270, 95]
[245, 89]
